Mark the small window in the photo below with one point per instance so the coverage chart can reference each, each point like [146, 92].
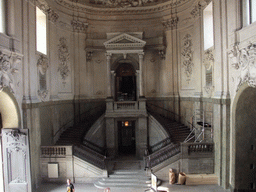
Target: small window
[252, 11]
[41, 31]
[249, 12]
[208, 26]
[2, 16]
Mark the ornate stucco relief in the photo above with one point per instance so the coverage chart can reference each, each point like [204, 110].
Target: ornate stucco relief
[170, 23]
[42, 64]
[8, 64]
[208, 62]
[79, 26]
[244, 60]
[63, 55]
[119, 9]
[187, 56]
[196, 11]
[43, 5]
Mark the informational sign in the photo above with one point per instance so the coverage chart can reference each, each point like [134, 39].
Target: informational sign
[153, 182]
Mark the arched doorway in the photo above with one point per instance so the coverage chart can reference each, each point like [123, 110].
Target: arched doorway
[9, 118]
[125, 89]
[245, 141]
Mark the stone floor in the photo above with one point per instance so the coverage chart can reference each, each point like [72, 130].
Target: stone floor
[164, 187]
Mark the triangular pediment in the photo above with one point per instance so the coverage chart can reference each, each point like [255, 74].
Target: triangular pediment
[124, 41]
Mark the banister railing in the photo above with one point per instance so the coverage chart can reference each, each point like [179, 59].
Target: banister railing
[159, 145]
[161, 155]
[90, 156]
[94, 147]
[80, 151]
[187, 150]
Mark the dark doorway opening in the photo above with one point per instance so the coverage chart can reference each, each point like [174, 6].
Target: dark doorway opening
[126, 137]
[125, 83]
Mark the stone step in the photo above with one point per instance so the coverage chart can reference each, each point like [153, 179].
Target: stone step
[125, 179]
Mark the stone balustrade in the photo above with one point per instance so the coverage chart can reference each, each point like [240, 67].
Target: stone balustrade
[57, 151]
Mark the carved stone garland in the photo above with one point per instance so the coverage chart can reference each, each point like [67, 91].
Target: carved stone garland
[244, 60]
[187, 56]
[43, 5]
[7, 70]
[171, 23]
[208, 63]
[63, 58]
[42, 64]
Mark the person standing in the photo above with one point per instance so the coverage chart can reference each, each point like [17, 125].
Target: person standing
[70, 186]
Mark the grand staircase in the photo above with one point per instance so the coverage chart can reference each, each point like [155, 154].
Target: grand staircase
[177, 131]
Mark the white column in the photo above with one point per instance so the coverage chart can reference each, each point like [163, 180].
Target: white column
[141, 74]
[109, 94]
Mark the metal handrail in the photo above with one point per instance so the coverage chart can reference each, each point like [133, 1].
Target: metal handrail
[192, 127]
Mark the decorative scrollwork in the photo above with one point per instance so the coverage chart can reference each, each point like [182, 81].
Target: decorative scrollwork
[244, 60]
[171, 23]
[63, 58]
[7, 70]
[187, 55]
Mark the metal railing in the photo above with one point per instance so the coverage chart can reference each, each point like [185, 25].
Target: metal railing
[175, 117]
[80, 151]
[159, 145]
[94, 147]
[90, 156]
[162, 155]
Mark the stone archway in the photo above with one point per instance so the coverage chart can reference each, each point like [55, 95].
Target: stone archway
[9, 110]
[10, 118]
[244, 139]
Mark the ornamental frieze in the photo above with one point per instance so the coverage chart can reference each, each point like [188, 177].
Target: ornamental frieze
[120, 6]
[244, 60]
[187, 56]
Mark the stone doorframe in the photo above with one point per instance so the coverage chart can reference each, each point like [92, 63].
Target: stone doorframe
[124, 44]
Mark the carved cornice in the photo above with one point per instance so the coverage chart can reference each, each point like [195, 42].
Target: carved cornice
[170, 23]
[187, 55]
[123, 10]
[79, 26]
[244, 60]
